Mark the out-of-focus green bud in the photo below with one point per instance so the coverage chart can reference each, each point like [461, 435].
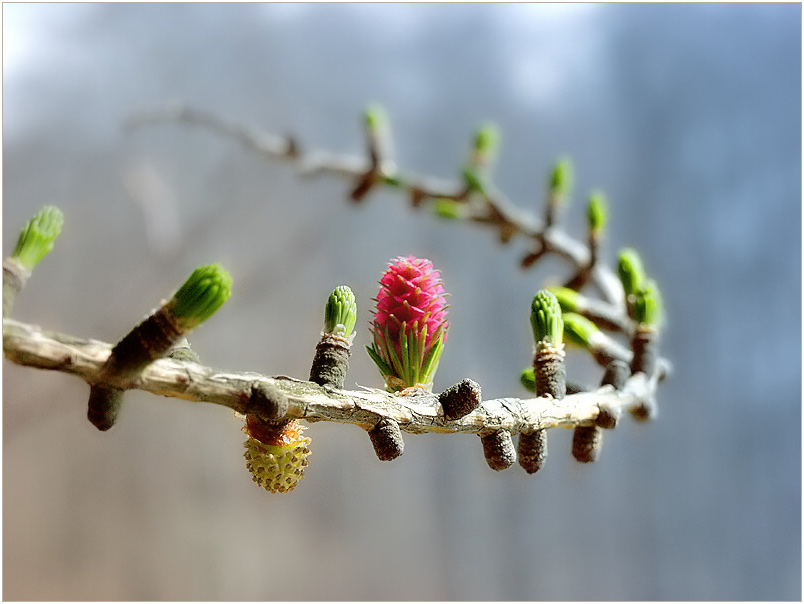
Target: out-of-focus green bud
[629, 267]
[376, 118]
[486, 144]
[528, 379]
[546, 320]
[567, 298]
[340, 314]
[647, 308]
[448, 208]
[579, 329]
[392, 180]
[473, 179]
[561, 179]
[486, 139]
[202, 294]
[597, 212]
[38, 235]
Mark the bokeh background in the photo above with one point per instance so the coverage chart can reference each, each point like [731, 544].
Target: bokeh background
[687, 116]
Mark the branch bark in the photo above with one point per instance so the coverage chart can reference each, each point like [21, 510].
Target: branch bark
[31, 346]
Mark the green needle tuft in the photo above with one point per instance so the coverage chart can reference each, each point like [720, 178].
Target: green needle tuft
[632, 275]
[202, 294]
[546, 320]
[38, 235]
[597, 212]
[340, 314]
[579, 329]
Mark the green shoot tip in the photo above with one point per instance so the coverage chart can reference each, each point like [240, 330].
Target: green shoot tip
[567, 298]
[648, 308]
[486, 140]
[375, 117]
[561, 179]
[340, 313]
[597, 212]
[528, 379]
[546, 321]
[632, 274]
[578, 329]
[38, 235]
[202, 294]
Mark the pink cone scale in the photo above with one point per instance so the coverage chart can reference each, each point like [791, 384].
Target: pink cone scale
[410, 326]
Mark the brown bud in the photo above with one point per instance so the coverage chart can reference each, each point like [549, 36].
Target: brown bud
[387, 440]
[646, 411]
[292, 147]
[364, 184]
[498, 448]
[417, 197]
[331, 362]
[586, 443]
[646, 351]
[104, 405]
[550, 374]
[461, 399]
[148, 341]
[530, 258]
[616, 374]
[267, 402]
[607, 416]
[532, 450]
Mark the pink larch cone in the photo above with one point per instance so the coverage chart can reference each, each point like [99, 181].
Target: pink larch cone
[410, 324]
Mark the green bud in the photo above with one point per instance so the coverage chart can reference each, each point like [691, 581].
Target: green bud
[528, 379]
[647, 307]
[375, 117]
[38, 235]
[546, 320]
[597, 212]
[202, 294]
[567, 298]
[632, 275]
[448, 208]
[486, 142]
[392, 180]
[579, 329]
[340, 314]
[473, 179]
[561, 179]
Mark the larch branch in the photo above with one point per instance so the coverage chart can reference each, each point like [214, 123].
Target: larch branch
[32, 346]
